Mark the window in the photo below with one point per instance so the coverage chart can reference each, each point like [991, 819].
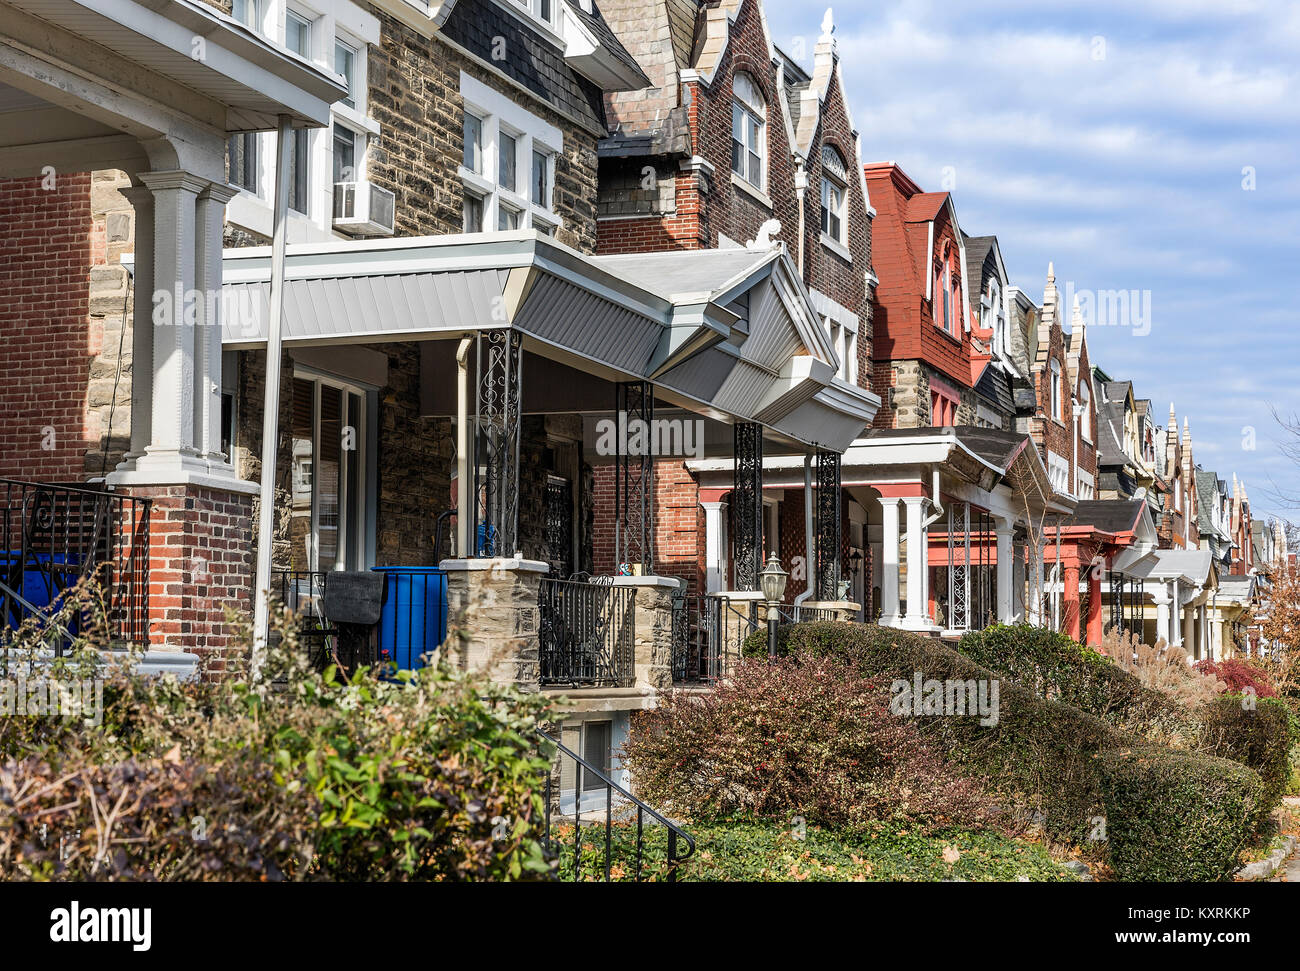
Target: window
[541, 184]
[748, 130]
[241, 161]
[297, 33]
[473, 155]
[345, 154]
[507, 218]
[543, 10]
[299, 167]
[1085, 399]
[246, 12]
[947, 290]
[473, 213]
[943, 409]
[508, 164]
[327, 504]
[834, 195]
[1055, 388]
[597, 739]
[345, 63]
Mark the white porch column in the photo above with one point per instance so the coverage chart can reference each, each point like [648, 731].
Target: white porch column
[1175, 628]
[1189, 629]
[1163, 599]
[1036, 584]
[917, 564]
[1203, 631]
[1005, 530]
[715, 545]
[889, 563]
[210, 214]
[172, 448]
[141, 200]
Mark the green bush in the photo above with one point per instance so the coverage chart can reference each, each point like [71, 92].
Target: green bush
[1053, 665]
[1257, 732]
[782, 740]
[1175, 816]
[297, 776]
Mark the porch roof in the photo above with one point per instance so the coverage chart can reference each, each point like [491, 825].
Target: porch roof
[728, 333]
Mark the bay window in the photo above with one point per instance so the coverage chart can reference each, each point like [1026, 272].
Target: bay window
[507, 164]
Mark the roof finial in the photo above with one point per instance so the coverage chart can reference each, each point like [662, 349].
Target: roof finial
[1051, 272]
[1076, 317]
[828, 25]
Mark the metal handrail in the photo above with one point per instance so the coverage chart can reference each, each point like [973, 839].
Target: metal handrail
[675, 832]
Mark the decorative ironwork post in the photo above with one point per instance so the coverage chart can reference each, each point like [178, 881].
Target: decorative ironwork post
[829, 526]
[634, 472]
[747, 504]
[499, 369]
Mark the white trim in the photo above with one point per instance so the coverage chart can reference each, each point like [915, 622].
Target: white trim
[749, 189]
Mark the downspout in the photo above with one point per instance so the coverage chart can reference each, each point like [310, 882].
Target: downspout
[809, 558]
[271, 404]
[801, 191]
[934, 499]
[463, 487]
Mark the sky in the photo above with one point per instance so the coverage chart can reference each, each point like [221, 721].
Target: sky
[1150, 147]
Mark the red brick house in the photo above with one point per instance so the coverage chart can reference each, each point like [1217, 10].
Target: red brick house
[736, 142]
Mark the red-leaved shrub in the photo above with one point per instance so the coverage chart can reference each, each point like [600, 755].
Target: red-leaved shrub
[784, 739]
[1239, 675]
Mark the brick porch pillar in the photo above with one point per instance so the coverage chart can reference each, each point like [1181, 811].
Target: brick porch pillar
[200, 565]
[1071, 600]
[1094, 607]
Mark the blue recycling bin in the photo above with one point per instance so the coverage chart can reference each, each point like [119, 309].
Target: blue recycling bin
[414, 616]
[36, 587]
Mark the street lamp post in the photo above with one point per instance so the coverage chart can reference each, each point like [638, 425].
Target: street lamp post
[772, 579]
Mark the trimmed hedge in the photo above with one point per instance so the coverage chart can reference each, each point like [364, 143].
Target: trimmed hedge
[1053, 665]
[1257, 732]
[1174, 816]
[1040, 754]
[1170, 815]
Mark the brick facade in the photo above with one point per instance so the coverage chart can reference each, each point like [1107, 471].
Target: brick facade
[48, 340]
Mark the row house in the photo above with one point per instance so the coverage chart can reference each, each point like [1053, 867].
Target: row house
[734, 146]
[416, 358]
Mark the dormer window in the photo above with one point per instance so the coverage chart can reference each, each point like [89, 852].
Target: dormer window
[947, 294]
[544, 10]
[748, 130]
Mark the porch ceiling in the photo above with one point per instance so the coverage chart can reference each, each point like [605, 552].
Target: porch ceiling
[733, 338]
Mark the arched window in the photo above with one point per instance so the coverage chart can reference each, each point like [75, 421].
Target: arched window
[748, 130]
[835, 180]
[1085, 399]
[1055, 369]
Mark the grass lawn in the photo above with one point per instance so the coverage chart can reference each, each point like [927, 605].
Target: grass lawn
[761, 851]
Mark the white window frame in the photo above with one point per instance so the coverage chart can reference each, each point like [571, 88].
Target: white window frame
[835, 188]
[1054, 387]
[748, 98]
[1085, 399]
[499, 113]
[536, 10]
[361, 506]
[352, 24]
[1087, 484]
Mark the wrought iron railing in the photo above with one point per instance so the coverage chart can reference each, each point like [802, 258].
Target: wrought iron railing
[413, 621]
[54, 536]
[709, 633]
[585, 633]
[618, 833]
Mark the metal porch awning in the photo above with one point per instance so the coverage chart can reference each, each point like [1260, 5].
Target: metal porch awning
[727, 333]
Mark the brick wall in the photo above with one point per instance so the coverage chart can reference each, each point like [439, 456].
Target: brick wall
[678, 527]
[200, 565]
[46, 341]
